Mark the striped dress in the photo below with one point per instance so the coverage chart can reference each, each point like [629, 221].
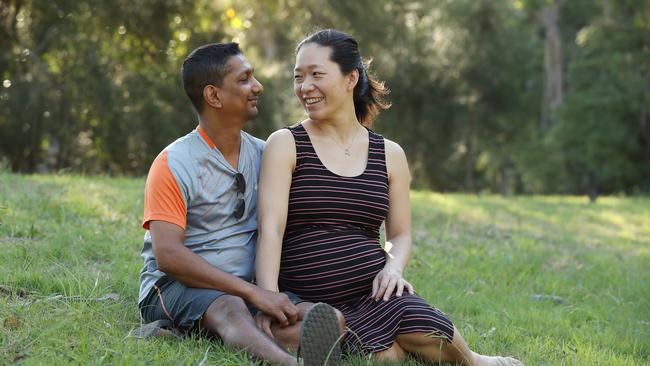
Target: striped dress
[331, 251]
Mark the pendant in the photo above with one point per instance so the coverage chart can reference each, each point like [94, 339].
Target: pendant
[347, 152]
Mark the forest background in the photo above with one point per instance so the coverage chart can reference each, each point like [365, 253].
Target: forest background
[509, 96]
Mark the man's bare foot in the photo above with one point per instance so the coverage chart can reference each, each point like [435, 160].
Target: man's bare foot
[496, 361]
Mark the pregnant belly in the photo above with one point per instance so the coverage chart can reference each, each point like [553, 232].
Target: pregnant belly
[336, 269]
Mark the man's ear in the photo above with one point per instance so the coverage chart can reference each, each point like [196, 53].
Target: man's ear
[353, 79]
[212, 96]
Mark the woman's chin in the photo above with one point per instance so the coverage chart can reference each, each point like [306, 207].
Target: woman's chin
[314, 115]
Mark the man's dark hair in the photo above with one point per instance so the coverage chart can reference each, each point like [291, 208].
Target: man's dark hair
[206, 65]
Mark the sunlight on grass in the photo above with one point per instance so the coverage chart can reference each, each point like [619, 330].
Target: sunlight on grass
[553, 280]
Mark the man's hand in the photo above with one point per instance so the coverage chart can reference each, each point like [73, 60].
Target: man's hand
[276, 305]
[388, 280]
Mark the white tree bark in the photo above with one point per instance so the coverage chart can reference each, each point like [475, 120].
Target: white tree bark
[553, 65]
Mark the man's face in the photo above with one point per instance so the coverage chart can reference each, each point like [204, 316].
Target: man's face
[240, 89]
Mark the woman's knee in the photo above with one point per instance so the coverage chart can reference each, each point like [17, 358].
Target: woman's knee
[341, 319]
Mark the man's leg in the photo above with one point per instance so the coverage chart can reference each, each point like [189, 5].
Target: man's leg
[229, 318]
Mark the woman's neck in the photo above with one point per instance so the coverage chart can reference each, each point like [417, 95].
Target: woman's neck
[342, 126]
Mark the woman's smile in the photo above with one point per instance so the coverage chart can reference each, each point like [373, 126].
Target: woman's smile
[311, 103]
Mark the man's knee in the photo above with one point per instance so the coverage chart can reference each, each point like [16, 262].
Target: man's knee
[224, 314]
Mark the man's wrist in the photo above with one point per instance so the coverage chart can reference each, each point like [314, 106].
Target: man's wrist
[248, 291]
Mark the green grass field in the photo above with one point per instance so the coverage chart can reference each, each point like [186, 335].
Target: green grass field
[491, 263]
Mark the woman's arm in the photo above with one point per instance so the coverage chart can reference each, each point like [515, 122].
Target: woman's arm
[278, 163]
[398, 226]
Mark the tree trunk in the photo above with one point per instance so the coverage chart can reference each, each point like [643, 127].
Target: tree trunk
[553, 77]
[592, 187]
[644, 125]
[505, 182]
[469, 153]
[607, 12]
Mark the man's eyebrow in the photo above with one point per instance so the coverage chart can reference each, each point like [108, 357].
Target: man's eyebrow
[246, 71]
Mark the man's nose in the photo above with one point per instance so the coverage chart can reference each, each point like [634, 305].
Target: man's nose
[258, 87]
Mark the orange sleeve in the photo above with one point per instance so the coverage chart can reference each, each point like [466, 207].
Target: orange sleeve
[163, 199]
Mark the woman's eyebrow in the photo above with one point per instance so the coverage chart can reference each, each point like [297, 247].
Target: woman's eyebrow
[312, 66]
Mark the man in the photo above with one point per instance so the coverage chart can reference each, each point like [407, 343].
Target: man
[200, 213]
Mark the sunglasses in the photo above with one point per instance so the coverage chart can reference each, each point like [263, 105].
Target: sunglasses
[240, 186]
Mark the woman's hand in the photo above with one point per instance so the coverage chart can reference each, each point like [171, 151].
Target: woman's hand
[263, 322]
[388, 280]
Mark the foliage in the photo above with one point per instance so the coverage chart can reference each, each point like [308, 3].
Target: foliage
[94, 86]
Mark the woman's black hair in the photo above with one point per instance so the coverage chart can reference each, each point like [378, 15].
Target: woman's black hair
[368, 93]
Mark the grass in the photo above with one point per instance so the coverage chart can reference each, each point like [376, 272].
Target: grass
[491, 263]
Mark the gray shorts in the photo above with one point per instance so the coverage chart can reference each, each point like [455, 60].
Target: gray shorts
[184, 306]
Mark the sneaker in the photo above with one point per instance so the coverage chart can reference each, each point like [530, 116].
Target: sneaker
[320, 336]
[158, 328]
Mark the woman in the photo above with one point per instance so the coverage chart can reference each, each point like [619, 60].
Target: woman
[327, 185]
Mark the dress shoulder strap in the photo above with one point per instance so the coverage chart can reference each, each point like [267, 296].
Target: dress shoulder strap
[377, 155]
[303, 144]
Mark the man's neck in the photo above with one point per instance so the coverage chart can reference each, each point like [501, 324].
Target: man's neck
[225, 136]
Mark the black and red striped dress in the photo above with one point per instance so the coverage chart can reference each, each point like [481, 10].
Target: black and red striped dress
[331, 251]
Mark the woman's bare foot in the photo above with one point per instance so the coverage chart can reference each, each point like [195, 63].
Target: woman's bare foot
[481, 360]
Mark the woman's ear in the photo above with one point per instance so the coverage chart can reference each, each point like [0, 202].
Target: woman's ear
[353, 79]
[212, 96]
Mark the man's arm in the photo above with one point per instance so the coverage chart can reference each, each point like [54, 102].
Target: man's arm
[187, 267]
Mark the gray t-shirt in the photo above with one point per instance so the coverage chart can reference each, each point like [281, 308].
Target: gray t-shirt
[191, 184]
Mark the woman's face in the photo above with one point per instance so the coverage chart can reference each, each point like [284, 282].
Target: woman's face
[318, 82]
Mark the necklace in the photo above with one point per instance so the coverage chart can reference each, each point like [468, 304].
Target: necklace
[346, 149]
